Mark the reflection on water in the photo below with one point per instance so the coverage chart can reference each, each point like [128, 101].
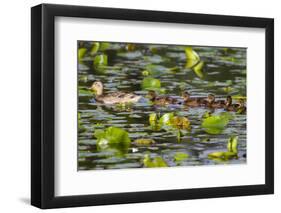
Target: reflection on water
[224, 74]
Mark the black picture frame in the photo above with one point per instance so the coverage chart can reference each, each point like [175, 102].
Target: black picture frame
[43, 102]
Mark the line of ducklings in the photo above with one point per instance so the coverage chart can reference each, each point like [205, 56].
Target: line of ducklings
[210, 101]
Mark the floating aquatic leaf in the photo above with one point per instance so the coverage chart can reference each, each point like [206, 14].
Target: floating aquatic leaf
[104, 46]
[81, 53]
[232, 151]
[198, 69]
[145, 73]
[215, 124]
[83, 92]
[95, 48]
[113, 138]
[153, 119]
[166, 119]
[192, 58]
[144, 141]
[194, 62]
[180, 156]
[222, 155]
[232, 144]
[100, 60]
[156, 162]
[180, 122]
[149, 83]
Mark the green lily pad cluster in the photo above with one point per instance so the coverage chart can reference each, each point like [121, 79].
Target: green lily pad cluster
[232, 151]
[96, 51]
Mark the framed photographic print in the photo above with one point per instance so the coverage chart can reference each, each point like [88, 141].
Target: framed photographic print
[140, 106]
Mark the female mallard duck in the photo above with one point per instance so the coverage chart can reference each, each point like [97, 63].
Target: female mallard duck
[192, 102]
[160, 100]
[114, 97]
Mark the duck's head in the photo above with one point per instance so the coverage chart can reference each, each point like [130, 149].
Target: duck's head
[228, 100]
[185, 95]
[211, 98]
[97, 87]
[151, 95]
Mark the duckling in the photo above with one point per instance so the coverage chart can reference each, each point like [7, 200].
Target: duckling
[160, 100]
[240, 107]
[212, 103]
[112, 98]
[228, 104]
[192, 102]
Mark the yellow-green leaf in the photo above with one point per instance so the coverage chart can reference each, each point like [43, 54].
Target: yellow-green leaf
[192, 58]
[180, 156]
[81, 53]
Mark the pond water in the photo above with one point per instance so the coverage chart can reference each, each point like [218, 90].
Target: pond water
[224, 73]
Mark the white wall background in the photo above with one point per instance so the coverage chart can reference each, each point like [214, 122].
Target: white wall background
[15, 105]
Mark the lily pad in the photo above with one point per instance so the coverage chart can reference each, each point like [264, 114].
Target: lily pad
[194, 62]
[113, 138]
[232, 144]
[181, 122]
[144, 141]
[215, 124]
[149, 83]
[166, 119]
[222, 155]
[198, 69]
[81, 53]
[100, 60]
[156, 162]
[180, 156]
[192, 58]
[95, 48]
